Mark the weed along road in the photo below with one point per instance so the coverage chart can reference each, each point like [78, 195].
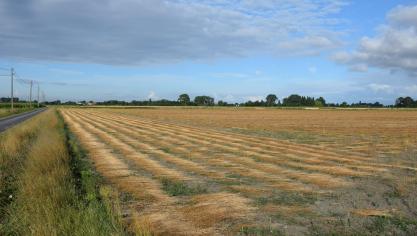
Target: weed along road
[8, 122]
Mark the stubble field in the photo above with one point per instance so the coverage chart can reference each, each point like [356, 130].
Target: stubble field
[256, 171]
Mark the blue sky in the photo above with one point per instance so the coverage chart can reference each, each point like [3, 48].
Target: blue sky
[233, 50]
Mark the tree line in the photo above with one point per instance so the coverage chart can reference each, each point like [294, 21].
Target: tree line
[405, 102]
[18, 103]
[270, 100]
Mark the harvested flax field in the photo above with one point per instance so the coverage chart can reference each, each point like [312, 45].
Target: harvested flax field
[244, 171]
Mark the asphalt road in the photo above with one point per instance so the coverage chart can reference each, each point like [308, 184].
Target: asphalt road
[8, 122]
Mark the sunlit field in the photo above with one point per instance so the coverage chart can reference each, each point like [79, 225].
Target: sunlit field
[208, 118]
[256, 171]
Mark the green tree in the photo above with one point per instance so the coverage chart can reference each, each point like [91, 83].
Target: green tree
[318, 103]
[321, 101]
[293, 100]
[344, 104]
[271, 100]
[404, 102]
[184, 99]
[222, 103]
[204, 101]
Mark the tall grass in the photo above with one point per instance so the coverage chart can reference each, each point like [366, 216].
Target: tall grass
[14, 146]
[7, 111]
[40, 195]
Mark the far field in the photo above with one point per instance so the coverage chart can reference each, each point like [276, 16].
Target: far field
[195, 171]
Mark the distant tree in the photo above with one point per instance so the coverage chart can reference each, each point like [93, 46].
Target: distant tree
[70, 103]
[258, 103]
[271, 100]
[320, 101]
[3, 99]
[292, 100]
[308, 101]
[222, 103]
[377, 104]
[405, 102]
[184, 99]
[279, 103]
[204, 101]
[344, 104]
[399, 102]
[296, 100]
[367, 104]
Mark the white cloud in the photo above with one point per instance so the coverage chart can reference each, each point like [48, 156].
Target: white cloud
[309, 45]
[393, 48]
[412, 89]
[380, 88]
[254, 98]
[152, 95]
[359, 68]
[139, 32]
[229, 97]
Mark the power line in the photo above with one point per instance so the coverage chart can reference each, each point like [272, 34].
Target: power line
[5, 69]
[43, 96]
[27, 80]
[38, 96]
[16, 77]
[30, 94]
[16, 89]
[12, 74]
[11, 90]
[24, 80]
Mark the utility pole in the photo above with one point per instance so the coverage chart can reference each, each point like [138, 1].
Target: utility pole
[30, 94]
[11, 91]
[38, 94]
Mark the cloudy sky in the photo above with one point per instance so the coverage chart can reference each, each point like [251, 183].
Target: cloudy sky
[233, 50]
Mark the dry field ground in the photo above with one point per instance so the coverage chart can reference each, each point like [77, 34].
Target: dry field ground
[257, 171]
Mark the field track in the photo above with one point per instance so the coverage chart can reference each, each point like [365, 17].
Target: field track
[136, 154]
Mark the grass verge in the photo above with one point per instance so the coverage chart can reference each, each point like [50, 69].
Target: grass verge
[8, 112]
[40, 195]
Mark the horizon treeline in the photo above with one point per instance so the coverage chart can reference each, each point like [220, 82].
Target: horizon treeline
[270, 100]
[5, 103]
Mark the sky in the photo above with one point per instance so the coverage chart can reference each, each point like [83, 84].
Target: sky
[232, 50]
